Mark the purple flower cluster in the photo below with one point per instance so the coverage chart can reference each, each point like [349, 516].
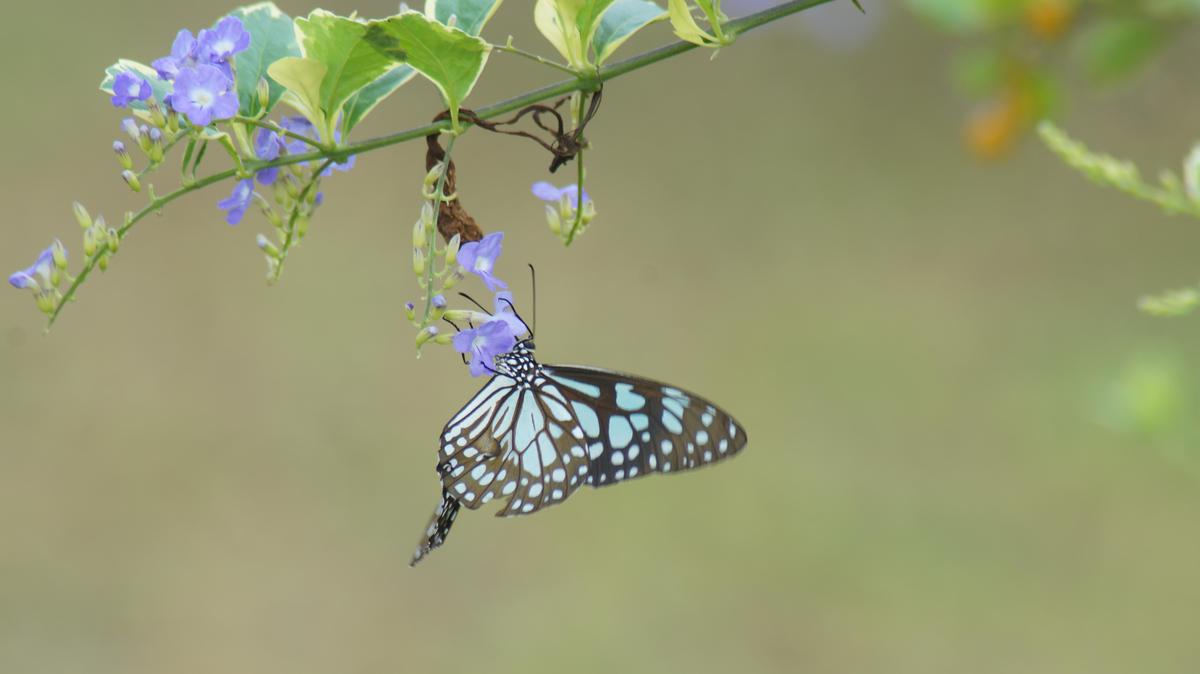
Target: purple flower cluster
[499, 334]
[551, 194]
[202, 72]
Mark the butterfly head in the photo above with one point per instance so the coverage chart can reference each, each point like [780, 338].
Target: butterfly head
[518, 363]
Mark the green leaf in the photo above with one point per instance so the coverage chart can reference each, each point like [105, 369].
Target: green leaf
[158, 87]
[685, 26]
[470, 15]
[272, 37]
[587, 18]
[351, 63]
[358, 106]
[1115, 47]
[448, 57]
[302, 78]
[620, 22]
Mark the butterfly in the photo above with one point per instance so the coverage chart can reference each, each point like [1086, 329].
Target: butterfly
[535, 433]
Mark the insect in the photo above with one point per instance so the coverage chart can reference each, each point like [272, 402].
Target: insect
[535, 433]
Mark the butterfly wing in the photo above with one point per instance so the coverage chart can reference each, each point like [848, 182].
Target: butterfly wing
[514, 442]
[635, 426]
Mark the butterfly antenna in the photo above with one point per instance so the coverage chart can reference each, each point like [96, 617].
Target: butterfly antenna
[514, 310]
[533, 282]
[472, 299]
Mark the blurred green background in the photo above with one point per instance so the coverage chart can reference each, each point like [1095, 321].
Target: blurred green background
[968, 451]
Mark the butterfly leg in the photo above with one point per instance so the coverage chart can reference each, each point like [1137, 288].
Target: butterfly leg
[439, 527]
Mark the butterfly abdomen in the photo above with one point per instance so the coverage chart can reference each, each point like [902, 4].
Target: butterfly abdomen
[439, 527]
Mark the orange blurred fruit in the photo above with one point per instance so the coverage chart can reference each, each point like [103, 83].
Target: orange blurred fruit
[1049, 19]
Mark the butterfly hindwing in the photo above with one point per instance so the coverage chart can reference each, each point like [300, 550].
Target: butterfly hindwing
[514, 442]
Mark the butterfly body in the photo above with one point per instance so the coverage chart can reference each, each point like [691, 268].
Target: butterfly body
[535, 433]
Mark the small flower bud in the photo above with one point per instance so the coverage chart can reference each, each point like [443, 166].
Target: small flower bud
[45, 302]
[443, 339]
[130, 127]
[432, 177]
[553, 220]
[427, 334]
[418, 261]
[89, 241]
[439, 301]
[452, 251]
[264, 244]
[131, 179]
[156, 113]
[463, 315]
[103, 262]
[410, 310]
[301, 226]
[453, 279]
[81, 215]
[123, 157]
[264, 93]
[60, 256]
[418, 235]
[114, 240]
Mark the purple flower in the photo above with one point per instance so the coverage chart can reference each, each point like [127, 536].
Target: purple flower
[439, 301]
[479, 258]
[301, 126]
[184, 55]
[485, 343]
[267, 146]
[547, 192]
[235, 206]
[204, 93]
[224, 40]
[129, 87]
[45, 268]
[504, 312]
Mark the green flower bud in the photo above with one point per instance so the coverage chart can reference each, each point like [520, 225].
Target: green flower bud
[89, 241]
[103, 262]
[60, 256]
[427, 334]
[419, 262]
[157, 117]
[462, 315]
[410, 311]
[264, 93]
[81, 215]
[432, 178]
[114, 240]
[301, 226]
[45, 302]
[452, 251]
[443, 338]
[267, 247]
[131, 179]
[418, 234]
[453, 279]
[553, 220]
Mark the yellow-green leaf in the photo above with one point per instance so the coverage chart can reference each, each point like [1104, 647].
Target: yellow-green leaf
[448, 57]
[302, 78]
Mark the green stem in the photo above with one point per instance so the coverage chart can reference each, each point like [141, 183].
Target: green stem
[508, 47]
[578, 184]
[272, 126]
[439, 197]
[578, 83]
[289, 240]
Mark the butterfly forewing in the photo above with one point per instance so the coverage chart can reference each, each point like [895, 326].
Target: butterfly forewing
[636, 426]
